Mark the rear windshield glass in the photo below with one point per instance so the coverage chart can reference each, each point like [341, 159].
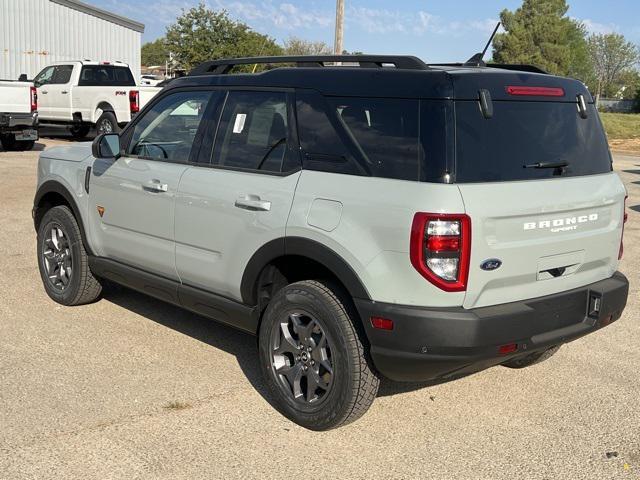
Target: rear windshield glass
[523, 134]
[106, 75]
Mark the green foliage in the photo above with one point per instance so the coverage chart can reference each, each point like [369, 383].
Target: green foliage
[614, 59]
[299, 46]
[540, 33]
[154, 53]
[201, 34]
[621, 125]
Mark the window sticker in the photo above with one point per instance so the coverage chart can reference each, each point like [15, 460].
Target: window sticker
[238, 125]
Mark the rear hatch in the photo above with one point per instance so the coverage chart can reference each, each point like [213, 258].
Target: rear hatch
[534, 171]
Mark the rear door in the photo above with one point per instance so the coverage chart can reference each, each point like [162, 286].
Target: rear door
[237, 199]
[54, 93]
[537, 183]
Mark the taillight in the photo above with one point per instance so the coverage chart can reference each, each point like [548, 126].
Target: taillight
[34, 99]
[134, 101]
[535, 91]
[440, 249]
[625, 216]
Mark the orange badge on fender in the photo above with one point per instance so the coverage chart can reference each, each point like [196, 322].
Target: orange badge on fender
[100, 211]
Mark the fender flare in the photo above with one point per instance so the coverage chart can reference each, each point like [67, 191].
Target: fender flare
[302, 247]
[52, 186]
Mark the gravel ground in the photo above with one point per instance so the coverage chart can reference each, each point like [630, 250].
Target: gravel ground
[131, 388]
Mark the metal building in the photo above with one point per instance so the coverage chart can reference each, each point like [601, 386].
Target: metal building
[35, 33]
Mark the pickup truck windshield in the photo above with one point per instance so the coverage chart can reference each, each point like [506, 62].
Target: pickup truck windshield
[528, 140]
[106, 75]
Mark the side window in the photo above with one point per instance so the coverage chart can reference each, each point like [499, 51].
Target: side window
[252, 133]
[167, 131]
[62, 74]
[386, 130]
[109, 75]
[323, 147]
[44, 77]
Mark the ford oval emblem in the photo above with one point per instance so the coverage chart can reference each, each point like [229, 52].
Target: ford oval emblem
[491, 264]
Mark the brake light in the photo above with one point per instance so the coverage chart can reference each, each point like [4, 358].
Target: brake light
[535, 91]
[625, 216]
[440, 248]
[34, 99]
[134, 101]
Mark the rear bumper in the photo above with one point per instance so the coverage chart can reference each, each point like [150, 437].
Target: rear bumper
[18, 121]
[427, 344]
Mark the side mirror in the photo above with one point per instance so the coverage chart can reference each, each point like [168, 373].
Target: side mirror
[23, 78]
[106, 145]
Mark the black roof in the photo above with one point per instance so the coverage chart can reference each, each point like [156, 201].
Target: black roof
[380, 76]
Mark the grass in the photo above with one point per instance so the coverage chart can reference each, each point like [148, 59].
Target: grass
[176, 405]
[621, 125]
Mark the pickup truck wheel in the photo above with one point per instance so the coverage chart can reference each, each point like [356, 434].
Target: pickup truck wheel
[107, 123]
[80, 131]
[312, 357]
[10, 144]
[63, 261]
[532, 358]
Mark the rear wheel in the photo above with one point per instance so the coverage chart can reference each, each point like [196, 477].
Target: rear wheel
[532, 358]
[63, 261]
[10, 144]
[80, 131]
[312, 357]
[107, 123]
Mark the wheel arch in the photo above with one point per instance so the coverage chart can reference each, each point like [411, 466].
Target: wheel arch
[102, 107]
[52, 194]
[296, 258]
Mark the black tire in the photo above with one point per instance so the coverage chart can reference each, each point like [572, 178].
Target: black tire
[352, 383]
[107, 123]
[532, 358]
[69, 255]
[10, 144]
[80, 131]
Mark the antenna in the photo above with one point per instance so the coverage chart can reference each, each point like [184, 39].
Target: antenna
[477, 59]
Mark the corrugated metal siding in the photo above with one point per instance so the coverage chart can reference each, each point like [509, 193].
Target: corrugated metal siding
[35, 33]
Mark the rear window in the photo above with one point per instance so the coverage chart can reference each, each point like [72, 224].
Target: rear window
[106, 75]
[526, 133]
[378, 137]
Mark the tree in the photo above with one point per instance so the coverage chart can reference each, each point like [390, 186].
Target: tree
[201, 34]
[613, 57]
[299, 46]
[154, 53]
[540, 33]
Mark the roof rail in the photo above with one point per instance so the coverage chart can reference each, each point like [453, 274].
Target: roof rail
[221, 67]
[504, 66]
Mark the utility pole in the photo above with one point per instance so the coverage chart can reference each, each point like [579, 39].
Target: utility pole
[338, 44]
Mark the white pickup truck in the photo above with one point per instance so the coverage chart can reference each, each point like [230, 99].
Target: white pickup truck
[83, 94]
[18, 115]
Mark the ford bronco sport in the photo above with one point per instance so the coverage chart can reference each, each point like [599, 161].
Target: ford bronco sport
[383, 217]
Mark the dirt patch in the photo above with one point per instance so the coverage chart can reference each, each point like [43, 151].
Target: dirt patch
[628, 145]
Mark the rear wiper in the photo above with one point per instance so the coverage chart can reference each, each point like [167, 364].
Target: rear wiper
[547, 165]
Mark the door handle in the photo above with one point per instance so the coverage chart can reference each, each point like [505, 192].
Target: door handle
[64, 92]
[44, 92]
[155, 186]
[253, 203]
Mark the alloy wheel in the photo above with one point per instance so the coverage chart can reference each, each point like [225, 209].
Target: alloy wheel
[301, 359]
[57, 258]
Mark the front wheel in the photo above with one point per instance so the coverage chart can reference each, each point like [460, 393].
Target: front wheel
[313, 358]
[63, 261]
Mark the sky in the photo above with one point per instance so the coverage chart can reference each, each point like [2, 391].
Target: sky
[435, 30]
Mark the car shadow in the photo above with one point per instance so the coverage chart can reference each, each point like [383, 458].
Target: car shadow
[635, 208]
[241, 345]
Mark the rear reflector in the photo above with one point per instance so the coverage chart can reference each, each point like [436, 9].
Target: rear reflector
[535, 91]
[382, 323]
[507, 349]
